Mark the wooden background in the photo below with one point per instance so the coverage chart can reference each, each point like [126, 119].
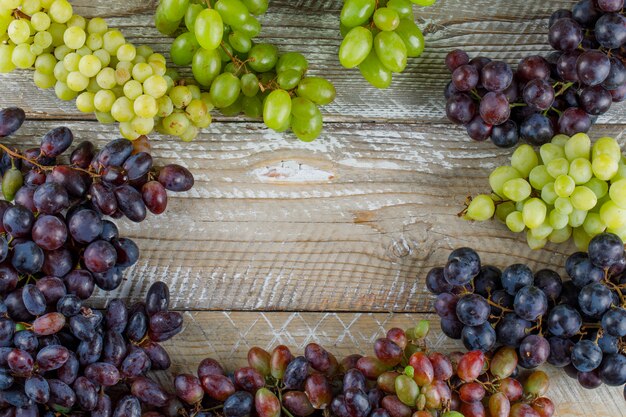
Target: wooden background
[286, 242]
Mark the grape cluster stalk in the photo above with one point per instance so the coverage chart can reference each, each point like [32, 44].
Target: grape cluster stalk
[568, 189]
[54, 237]
[578, 325]
[240, 74]
[379, 37]
[564, 92]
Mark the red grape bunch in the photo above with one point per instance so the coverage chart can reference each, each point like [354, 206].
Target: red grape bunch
[579, 324]
[73, 360]
[402, 379]
[55, 230]
[562, 93]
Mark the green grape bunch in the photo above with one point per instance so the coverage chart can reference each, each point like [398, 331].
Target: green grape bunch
[570, 188]
[239, 74]
[379, 36]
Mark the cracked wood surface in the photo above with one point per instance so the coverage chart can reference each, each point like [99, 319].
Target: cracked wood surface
[277, 231]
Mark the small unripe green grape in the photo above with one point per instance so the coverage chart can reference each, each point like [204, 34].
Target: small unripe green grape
[504, 209]
[501, 175]
[386, 19]
[558, 166]
[142, 125]
[539, 177]
[356, 12]
[84, 102]
[133, 89]
[175, 124]
[89, 66]
[319, 90]
[557, 219]
[355, 47]
[292, 61]
[60, 11]
[12, 181]
[412, 37]
[263, 57]
[288, 80]
[550, 151]
[517, 189]
[581, 239]
[406, 389]
[577, 218]
[145, 106]
[77, 81]
[534, 212]
[63, 92]
[593, 224]
[44, 81]
[103, 101]
[563, 205]
[97, 25]
[604, 167]
[583, 198]
[578, 146]
[599, 187]
[74, 37]
[249, 85]
[122, 109]
[166, 107]
[524, 159]
[560, 235]
[564, 185]
[391, 51]
[533, 243]
[45, 63]
[277, 109]
[481, 208]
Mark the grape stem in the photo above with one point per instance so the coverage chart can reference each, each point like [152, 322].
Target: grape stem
[18, 14]
[564, 87]
[38, 165]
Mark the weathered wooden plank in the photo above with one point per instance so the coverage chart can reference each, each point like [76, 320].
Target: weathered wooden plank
[506, 29]
[352, 221]
[227, 336]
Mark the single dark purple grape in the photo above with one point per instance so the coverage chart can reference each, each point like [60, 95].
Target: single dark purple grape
[465, 77]
[515, 277]
[70, 179]
[564, 321]
[114, 153]
[86, 393]
[89, 352]
[574, 120]
[530, 303]
[110, 279]
[505, 135]
[52, 357]
[481, 337]
[137, 323]
[586, 13]
[512, 330]
[149, 392]
[49, 232]
[158, 355]
[616, 77]
[539, 94]
[456, 58]
[158, 298]
[127, 252]
[24, 339]
[619, 94]
[109, 231]
[8, 278]
[560, 351]
[477, 129]
[18, 221]
[82, 327]
[128, 406]
[51, 198]
[610, 31]
[595, 100]
[114, 175]
[80, 283]
[85, 226]
[56, 141]
[20, 362]
[612, 371]
[445, 306]
[69, 305]
[104, 406]
[33, 299]
[586, 356]
[138, 165]
[605, 250]
[537, 129]
[176, 178]
[130, 202]
[240, 404]
[136, 363]
[83, 154]
[610, 6]
[496, 76]
[15, 306]
[472, 310]
[463, 265]
[533, 351]
[565, 34]
[100, 256]
[165, 321]
[533, 67]
[589, 380]
[103, 198]
[33, 178]
[114, 350]
[58, 262]
[460, 108]
[296, 373]
[116, 316]
[595, 299]
[614, 322]
[494, 108]
[27, 257]
[549, 282]
[436, 283]
[11, 119]
[7, 329]
[154, 197]
[25, 197]
[69, 371]
[593, 67]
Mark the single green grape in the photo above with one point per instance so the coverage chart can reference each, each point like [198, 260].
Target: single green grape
[403, 7]
[288, 80]
[74, 37]
[233, 12]
[250, 27]
[577, 218]
[481, 208]
[564, 185]
[209, 29]
[19, 31]
[190, 134]
[263, 57]
[163, 24]
[45, 63]
[181, 96]
[97, 25]
[604, 167]
[303, 108]
[534, 212]
[6, 58]
[89, 66]
[94, 41]
[249, 85]
[504, 209]
[563, 205]
[583, 198]
[252, 106]
[141, 72]
[550, 151]
[391, 51]
[406, 389]
[386, 19]
[612, 215]
[256, 7]
[122, 109]
[127, 131]
[539, 177]
[277, 109]
[191, 15]
[558, 166]
[531, 241]
[112, 40]
[517, 189]
[524, 159]
[580, 170]
[155, 86]
[500, 175]
[356, 12]
[319, 90]
[578, 146]
[593, 224]
[292, 61]
[142, 126]
[60, 73]
[355, 47]
[77, 81]
[84, 102]
[605, 146]
[542, 231]
[234, 109]
[103, 100]
[599, 187]
[183, 48]
[307, 128]
[40, 21]
[44, 81]
[174, 9]
[412, 37]
[515, 222]
[106, 78]
[557, 219]
[63, 91]
[240, 42]
[132, 89]
[77, 21]
[617, 192]
[145, 106]
[225, 90]
[71, 61]
[581, 239]
[103, 56]
[206, 65]
[166, 107]
[57, 30]
[60, 11]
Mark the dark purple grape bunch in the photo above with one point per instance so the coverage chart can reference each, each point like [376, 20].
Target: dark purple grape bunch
[562, 93]
[579, 324]
[56, 228]
[75, 360]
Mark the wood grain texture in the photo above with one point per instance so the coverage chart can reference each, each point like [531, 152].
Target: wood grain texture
[503, 29]
[227, 336]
